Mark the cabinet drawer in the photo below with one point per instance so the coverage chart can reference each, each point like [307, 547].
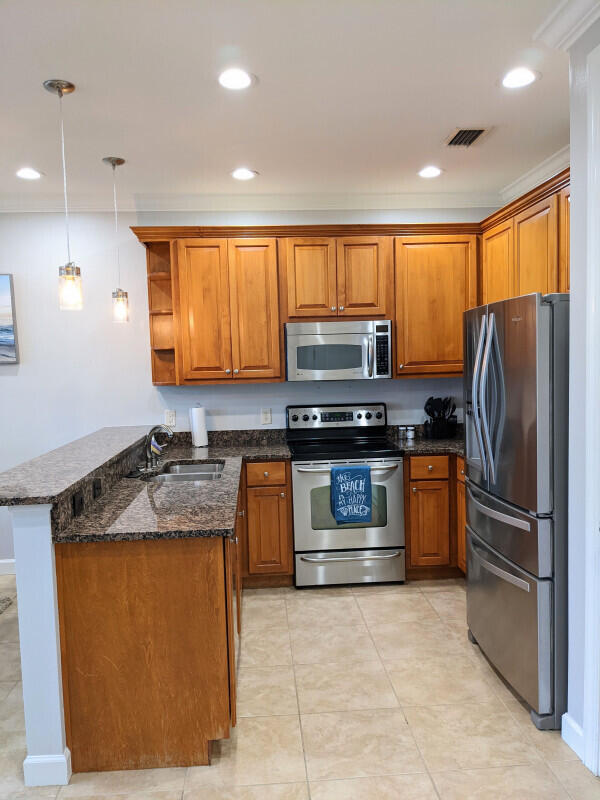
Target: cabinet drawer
[424, 467]
[460, 469]
[266, 473]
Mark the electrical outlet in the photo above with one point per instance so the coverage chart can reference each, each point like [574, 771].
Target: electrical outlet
[170, 417]
[265, 416]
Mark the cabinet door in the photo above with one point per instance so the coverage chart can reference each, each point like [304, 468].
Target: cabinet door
[362, 275]
[254, 308]
[268, 530]
[436, 280]
[564, 240]
[204, 323]
[536, 248]
[429, 524]
[497, 271]
[311, 278]
[461, 521]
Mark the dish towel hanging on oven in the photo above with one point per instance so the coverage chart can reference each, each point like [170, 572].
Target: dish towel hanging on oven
[351, 494]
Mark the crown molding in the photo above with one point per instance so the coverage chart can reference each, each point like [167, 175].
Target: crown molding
[567, 23]
[545, 170]
[140, 203]
[555, 184]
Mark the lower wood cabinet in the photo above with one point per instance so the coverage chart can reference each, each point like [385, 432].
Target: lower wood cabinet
[268, 519]
[429, 524]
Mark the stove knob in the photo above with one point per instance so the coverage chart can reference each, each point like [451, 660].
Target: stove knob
[305, 417]
[314, 416]
[368, 415]
[294, 417]
[359, 415]
[379, 415]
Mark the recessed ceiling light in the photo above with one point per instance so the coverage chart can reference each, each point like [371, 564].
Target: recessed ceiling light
[28, 174]
[519, 77]
[235, 78]
[430, 172]
[244, 174]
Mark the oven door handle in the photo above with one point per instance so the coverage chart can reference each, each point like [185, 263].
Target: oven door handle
[309, 560]
[384, 468]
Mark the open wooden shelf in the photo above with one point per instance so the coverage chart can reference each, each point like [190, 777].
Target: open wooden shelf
[160, 302]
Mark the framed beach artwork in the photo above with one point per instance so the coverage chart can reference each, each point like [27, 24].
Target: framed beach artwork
[9, 351]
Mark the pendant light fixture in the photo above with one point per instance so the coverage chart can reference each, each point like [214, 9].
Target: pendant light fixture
[69, 275]
[120, 301]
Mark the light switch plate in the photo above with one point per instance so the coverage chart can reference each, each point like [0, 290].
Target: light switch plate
[170, 417]
[265, 416]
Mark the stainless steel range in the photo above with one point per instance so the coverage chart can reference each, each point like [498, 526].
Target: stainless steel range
[319, 438]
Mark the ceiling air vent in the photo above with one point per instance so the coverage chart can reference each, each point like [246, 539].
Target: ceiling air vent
[465, 137]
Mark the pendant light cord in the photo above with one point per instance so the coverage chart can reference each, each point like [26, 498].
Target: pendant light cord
[64, 166]
[114, 169]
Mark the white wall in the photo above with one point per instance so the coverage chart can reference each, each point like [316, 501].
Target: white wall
[79, 371]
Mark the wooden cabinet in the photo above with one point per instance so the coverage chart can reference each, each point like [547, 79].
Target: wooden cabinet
[536, 248]
[343, 277]
[205, 325]
[461, 516]
[497, 263]
[436, 280]
[429, 467]
[564, 240]
[254, 302]
[269, 525]
[429, 524]
[228, 309]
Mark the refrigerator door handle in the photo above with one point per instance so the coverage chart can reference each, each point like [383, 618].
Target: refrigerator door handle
[482, 399]
[498, 515]
[499, 573]
[475, 388]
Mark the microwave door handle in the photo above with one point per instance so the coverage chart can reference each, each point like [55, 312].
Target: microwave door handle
[482, 398]
[474, 397]
[371, 356]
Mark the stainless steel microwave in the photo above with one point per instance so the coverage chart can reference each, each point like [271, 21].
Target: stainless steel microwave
[338, 351]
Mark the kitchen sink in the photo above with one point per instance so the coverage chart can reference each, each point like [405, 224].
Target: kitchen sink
[189, 473]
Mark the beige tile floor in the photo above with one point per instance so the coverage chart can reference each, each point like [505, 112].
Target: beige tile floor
[369, 693]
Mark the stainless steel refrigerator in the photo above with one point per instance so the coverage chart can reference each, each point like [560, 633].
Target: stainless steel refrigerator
[516, 430]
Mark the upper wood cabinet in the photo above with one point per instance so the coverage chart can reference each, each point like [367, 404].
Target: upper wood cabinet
[497, 263]
[204, 317]
[536, 248]
[344, 277]
[254, 299]
[436, 280]
[311, 277]
[228, 309]
[564, 240]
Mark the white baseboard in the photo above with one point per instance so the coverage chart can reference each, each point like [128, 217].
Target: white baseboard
[572, 733]
[52, 770]
[7, 566]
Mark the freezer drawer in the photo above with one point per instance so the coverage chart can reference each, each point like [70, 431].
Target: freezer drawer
[350, 566]
[520, 537]
[509, 612]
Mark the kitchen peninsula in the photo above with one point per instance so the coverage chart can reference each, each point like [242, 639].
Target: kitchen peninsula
[129, 612]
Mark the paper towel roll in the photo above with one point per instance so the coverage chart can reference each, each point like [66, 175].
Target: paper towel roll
[198, 426]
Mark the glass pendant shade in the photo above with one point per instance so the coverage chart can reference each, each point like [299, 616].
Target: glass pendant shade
[120, 306]
[70, 297]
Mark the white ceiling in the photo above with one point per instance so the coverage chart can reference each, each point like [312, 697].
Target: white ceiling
[353, 98]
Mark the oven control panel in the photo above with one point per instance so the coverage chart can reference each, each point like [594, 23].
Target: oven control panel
[345, 416]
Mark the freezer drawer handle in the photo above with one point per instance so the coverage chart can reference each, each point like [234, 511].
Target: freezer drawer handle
[351, 558]
[382, 468]
[500, 573]
[506, 518]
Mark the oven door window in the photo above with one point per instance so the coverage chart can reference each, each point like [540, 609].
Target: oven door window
[324, 357]
[322, 519]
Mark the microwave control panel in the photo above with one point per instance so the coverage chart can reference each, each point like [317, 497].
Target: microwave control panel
[383, 349]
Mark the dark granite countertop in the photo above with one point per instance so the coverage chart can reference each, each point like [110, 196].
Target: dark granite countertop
[137, 509]
[51, 476]
[433, 447]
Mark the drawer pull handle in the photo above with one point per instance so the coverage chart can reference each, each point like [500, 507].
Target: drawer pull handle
[400, 366]
[266, 474]
[282, 494]
[353, 558]
[414, 489]
[429, 467]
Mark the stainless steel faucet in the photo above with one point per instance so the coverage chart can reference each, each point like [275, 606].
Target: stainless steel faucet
[151, 458]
